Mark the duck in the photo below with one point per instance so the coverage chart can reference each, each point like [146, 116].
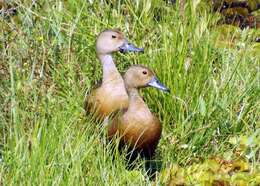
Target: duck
[110, 95]
[136, 126]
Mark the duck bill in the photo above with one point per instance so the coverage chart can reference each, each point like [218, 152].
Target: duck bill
[157, 84]
[129, 47]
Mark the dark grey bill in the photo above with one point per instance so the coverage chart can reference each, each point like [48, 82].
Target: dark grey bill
[157, 84]
[128, 47]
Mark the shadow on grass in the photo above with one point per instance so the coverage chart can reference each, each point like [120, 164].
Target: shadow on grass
[136, 161]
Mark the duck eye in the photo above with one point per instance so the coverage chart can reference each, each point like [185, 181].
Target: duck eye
[144, 72]
[113, 36]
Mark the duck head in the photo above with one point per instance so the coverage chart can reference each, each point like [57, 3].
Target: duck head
[110, 41]
[138, 76]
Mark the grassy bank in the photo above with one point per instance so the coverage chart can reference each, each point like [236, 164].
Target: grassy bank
[48, 62]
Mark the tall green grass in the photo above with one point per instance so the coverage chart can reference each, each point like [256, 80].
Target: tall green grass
[48, 62]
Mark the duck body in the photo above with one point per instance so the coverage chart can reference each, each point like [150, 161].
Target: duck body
[105, 105]
[137, 127]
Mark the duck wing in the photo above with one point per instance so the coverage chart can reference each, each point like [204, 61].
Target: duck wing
[89, 97]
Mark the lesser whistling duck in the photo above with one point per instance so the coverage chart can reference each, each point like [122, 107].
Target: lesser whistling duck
[111, 95]
[137, 126]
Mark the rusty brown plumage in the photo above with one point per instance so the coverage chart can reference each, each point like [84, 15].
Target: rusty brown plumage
[111, 94]
[136, 126]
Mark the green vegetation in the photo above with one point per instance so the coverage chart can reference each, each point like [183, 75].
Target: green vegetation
[48, 62]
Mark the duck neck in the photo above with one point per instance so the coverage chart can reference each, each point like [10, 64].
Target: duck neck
[135, 100]
[110, 72]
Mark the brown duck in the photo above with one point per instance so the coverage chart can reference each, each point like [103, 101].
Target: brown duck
[137, 126]
[111, 95]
